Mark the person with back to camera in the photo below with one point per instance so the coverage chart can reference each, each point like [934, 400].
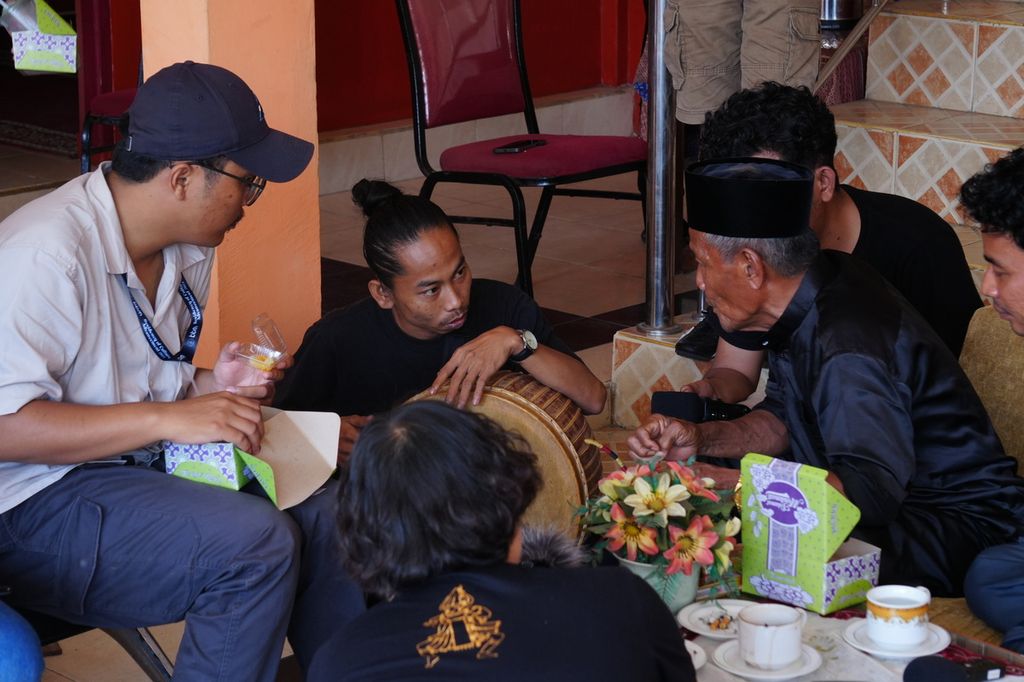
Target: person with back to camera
[429, 514]
[427, 321]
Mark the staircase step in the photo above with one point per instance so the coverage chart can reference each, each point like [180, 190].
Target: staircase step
[965, 55]
[919, 152]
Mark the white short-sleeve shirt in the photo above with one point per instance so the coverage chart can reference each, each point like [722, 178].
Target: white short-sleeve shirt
[68, 331]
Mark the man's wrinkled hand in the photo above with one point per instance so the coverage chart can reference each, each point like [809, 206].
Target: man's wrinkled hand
[215, 417]
[474, 363]
[351, 425]
[660, 434]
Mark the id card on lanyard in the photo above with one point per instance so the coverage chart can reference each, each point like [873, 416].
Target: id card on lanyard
[191, 340]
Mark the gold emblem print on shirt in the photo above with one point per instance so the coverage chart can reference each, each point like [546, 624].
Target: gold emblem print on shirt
[461, 625]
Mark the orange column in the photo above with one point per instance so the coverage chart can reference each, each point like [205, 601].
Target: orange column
[271, 261]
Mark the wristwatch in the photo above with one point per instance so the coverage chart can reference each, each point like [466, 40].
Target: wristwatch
[529, 345]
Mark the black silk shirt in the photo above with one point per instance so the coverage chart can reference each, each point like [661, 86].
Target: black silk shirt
[868, 391]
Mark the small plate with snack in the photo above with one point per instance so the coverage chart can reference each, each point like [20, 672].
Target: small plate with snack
[715, 618]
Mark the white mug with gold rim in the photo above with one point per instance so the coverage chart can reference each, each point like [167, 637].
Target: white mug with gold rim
[898, 615]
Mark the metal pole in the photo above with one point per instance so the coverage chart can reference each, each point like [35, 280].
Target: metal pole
[661, 119]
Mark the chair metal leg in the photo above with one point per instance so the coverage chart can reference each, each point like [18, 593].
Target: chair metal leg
[538, 222]
[145, 651]
[525, 277]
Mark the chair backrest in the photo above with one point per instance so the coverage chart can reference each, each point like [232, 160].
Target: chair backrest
[465, 57]
[993, 359]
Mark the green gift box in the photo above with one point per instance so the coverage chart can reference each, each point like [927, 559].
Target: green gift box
[297, 455]
[41, 41]
[795, 527]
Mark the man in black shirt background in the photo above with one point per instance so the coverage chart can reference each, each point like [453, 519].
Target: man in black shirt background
[912, 247]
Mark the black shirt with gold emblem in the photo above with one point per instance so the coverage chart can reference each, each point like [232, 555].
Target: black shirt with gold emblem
[510, 622]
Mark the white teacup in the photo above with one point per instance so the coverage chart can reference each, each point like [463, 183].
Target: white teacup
[770, 635]
[898, 615]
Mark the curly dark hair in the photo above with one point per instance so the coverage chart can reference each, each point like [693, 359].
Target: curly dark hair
[792, 122]
[428, 489]
[393, 219]
[995, 196]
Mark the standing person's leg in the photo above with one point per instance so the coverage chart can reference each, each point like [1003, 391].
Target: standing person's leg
[702, 52]
[130, 547]
[326, 598]
[994, 588]
[781, 41]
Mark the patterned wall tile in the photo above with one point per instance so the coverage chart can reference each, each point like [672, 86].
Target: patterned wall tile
[922, 60]
[641, 366]
[864, 158]
[999, 71]
[931, 171]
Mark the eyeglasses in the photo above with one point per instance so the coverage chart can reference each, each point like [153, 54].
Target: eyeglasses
[254, 185]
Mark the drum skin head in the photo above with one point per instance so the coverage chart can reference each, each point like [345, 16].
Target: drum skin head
[542, 417]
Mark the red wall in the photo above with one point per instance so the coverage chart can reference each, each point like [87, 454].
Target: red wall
[361, 71]
[569, 44]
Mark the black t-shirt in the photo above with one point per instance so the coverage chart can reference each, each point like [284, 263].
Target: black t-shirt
[919, 254]
[509, 622]
[358, 361]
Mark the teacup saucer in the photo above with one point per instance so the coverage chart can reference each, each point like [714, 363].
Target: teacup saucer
[727, 657]
[856, 635]
[697, 654]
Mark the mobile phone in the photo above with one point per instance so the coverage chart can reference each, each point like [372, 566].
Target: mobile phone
[517, 146]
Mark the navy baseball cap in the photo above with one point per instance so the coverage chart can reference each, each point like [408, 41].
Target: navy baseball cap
[189, 111]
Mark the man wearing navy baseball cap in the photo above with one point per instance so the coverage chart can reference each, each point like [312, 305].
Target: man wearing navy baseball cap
[104, 281]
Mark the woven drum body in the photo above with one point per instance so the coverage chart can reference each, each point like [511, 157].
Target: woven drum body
[555, 429]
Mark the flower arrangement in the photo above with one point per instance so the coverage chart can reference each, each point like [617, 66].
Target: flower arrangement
[665, 516]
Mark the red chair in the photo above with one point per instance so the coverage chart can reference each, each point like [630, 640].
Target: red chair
[465, 63]
[109, 109]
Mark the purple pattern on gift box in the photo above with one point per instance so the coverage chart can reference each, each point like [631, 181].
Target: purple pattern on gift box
[220, 455]
[791, 594]
[786, 506]
[842, 572]
[781, 501]
[25, 41]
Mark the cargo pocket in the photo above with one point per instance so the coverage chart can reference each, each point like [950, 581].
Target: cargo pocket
[674, 45]
[79, 547]
[804, 47]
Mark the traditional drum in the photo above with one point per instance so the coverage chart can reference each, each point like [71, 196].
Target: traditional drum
[555, 429]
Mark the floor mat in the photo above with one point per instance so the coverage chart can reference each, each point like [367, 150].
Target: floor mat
[38, 138]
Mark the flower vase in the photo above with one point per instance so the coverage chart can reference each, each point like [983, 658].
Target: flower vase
[676, 590]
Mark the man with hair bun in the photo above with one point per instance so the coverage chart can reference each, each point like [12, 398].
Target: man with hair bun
[860, 385]
[427, 322]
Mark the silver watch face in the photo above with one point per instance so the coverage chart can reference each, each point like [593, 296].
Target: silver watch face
[529, 340]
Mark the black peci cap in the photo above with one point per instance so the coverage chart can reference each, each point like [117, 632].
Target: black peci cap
[749, 198]
[190, 111]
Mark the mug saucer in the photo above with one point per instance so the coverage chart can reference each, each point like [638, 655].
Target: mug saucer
[856, 635]
[727, 657]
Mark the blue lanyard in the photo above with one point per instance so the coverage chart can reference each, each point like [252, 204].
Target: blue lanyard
[191, 340]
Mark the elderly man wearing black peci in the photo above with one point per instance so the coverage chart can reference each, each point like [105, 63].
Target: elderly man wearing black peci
[860, 384]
